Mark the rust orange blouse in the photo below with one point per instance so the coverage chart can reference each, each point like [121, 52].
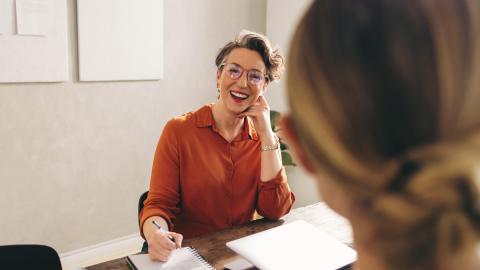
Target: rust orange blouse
[201, 183]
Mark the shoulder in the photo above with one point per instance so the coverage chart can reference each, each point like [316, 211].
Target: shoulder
[178, 124]
[181, 121]
[187, 121]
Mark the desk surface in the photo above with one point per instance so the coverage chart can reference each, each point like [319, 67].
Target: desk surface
[212, 247]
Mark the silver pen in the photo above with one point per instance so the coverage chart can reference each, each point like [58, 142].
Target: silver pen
[163, 230]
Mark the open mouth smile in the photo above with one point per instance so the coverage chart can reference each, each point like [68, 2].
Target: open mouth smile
[238, 96]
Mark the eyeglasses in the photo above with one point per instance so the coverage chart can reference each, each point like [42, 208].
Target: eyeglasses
[234, 71]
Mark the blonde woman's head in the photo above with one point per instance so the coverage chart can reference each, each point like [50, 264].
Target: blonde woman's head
[385, 106]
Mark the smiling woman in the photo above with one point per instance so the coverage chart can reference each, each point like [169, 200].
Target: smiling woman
[216, 166]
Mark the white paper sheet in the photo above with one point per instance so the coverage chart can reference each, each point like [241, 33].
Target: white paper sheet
[6, 16]
[33, 17]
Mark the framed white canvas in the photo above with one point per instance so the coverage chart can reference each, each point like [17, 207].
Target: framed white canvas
[120, 40]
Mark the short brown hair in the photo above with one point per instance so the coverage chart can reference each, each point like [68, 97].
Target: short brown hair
[271, 57]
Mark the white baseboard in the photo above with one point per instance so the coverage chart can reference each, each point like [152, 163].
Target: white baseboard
[101, 252]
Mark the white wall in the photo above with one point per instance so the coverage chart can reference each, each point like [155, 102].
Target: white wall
[282, 18]
[74, 157]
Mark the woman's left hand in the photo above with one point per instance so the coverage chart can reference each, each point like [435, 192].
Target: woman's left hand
[260, 115]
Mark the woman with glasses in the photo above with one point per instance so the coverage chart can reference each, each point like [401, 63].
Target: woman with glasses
[385, 113]
[213, 168]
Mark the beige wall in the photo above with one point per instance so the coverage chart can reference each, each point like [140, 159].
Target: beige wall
[282, 19]
[75, 156]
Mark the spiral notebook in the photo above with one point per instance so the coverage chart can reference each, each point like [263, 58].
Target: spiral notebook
[186, 258]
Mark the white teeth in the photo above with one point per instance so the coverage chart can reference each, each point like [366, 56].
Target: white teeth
[239, 95]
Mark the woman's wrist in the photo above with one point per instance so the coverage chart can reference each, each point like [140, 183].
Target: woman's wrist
[269, 142]
[149, 228]
[267, 138]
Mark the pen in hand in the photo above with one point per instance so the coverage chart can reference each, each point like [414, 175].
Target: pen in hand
[163, 230]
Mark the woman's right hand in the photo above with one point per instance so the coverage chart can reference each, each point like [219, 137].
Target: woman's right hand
[160, 245]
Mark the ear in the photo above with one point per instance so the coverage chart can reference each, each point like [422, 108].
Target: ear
[291, 138]
[265, 86]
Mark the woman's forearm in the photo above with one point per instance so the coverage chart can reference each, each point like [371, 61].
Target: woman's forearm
[271, 160]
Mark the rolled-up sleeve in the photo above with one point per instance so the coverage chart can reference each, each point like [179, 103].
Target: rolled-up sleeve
[275, 199]
[163, 197]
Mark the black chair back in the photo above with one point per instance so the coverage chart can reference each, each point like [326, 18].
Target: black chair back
[140, 207]
[27, 257]
[142, 198]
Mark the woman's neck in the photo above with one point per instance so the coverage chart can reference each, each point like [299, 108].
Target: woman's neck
[363, 237]
[228, 124]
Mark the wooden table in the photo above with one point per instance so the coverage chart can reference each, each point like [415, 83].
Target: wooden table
[212, 247]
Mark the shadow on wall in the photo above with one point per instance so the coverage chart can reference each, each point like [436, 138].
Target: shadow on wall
[303, 185]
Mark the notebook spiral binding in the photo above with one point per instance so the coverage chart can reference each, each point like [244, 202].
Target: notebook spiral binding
[201, 259]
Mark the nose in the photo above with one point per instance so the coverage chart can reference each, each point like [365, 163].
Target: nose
[243, 80]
